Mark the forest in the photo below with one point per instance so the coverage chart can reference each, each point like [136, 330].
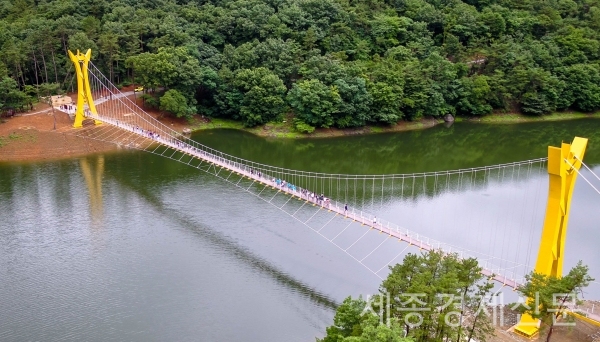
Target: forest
[323, 63]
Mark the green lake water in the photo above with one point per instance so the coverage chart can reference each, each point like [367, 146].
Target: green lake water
[129, 246]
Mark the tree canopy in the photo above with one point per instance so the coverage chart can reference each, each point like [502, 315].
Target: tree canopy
[331, 63]
[428, 297]
[551, 296]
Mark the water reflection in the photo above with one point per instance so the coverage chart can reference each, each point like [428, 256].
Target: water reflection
[462, 145]
[184, 255]
[93, 181]
[215, 238]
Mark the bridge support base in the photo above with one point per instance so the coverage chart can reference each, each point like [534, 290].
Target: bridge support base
[563, 165]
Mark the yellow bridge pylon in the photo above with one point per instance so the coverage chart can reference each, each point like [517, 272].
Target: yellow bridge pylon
[84, 92]
[563, 165]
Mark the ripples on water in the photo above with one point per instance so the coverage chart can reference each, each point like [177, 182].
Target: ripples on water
[170, 253]
[186, 260]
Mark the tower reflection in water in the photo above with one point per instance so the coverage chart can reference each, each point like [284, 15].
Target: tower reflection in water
[93, 179]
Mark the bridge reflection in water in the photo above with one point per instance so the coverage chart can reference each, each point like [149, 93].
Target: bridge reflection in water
[128, 125]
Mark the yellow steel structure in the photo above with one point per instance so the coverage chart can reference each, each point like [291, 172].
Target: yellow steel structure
[563, 165]
[84, 92]
[584, 318]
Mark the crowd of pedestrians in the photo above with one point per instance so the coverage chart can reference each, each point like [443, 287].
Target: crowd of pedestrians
[303, 193]
[314, 197]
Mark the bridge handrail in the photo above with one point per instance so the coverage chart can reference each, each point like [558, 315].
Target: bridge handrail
[413, 238]
[175, 140]
[281, 170]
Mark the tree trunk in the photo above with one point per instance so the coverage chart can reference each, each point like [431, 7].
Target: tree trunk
[550, 331]
[472, 331]
[17, 76]
[44, 61]
[560, 307]
[37, 82]
[462, 311]
[21, 73]
[111, 69]
[64, 42]
[54, 64]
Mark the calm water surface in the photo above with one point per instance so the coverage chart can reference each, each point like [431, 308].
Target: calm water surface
[134, 247]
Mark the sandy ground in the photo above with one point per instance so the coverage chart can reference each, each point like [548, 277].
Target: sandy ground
[580, 332]
[32, 136]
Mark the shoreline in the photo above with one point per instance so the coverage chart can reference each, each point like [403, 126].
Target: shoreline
[285, 130]
[32, 138]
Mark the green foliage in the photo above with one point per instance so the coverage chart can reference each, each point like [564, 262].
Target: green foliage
[438, 277]
[10, 96]
[314, 102]
[439, 290]
[553, 294]
[369, 61]
[474, 96]
[255, 96]
[174, 102]
[386, 87]
[581, 87]
[303, 127]
[263, 95]
[80, 41]
[48, 89]
[150, 100]
[350, 324]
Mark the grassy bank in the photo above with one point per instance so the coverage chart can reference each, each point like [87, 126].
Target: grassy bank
[286, 129]
[510, 118]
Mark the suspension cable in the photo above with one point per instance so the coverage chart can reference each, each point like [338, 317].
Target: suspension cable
[582, 176]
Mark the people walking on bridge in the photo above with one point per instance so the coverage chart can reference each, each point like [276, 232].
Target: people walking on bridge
[374, 220]
[346, 209]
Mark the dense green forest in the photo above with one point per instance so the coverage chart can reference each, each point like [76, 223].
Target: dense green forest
[332, 63]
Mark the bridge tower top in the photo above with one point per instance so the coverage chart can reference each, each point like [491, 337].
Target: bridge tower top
[84, 92]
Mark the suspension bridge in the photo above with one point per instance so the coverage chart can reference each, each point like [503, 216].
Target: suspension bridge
[104, 113]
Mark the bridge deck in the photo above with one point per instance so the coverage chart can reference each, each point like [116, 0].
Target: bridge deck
[395, 232]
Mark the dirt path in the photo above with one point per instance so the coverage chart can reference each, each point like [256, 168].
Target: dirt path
[31, 137]
[36, 136]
